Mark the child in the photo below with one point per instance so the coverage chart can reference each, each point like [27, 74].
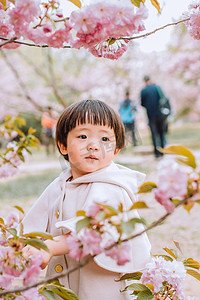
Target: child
[89, 134]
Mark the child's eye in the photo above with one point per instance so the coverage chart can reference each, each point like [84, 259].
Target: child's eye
[105, 139]
[82, 136]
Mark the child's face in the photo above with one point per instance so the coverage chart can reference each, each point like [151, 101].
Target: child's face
[89, 148]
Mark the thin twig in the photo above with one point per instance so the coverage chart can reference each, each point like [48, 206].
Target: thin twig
[50, 278]
[20, 82]
[8, 41]
[157, 29]
[53, 81]
[29, 44]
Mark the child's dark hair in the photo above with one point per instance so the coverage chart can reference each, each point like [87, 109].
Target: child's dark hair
[94, 112]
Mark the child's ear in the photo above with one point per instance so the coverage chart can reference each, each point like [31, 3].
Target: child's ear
[63, 149]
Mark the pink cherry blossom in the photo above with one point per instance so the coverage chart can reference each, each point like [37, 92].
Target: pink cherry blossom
[32, 294]
[6, 281]
[159, 270]
[91, 242]
[27, 9]
[12, 220]
[75, 246]
[59, 37]
[120, 253]
[193, 23]
[31, 275]
[172, 178]
[6, 29]
[93, 210]
[88, 242]
[162, 198]
[97, 23]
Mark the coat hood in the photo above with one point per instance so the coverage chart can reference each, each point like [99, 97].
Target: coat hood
[112, 174]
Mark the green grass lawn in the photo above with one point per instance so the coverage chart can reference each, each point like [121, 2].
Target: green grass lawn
[187, 135]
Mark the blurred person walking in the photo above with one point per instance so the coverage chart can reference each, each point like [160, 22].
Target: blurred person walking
[151, 98]
[48, 123]
[127, 112]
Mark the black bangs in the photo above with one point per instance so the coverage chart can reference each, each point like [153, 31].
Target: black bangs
[92, 112]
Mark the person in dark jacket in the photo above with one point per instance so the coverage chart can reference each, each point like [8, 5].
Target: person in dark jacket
[150, 100]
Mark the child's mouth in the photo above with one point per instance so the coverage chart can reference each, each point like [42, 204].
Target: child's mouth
[92, 157]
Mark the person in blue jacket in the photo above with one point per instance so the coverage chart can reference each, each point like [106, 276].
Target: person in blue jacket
[127, 113]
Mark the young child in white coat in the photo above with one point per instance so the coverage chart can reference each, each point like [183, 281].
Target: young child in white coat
[89, 134]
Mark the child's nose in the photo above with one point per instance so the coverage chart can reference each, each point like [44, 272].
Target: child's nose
[93, 145]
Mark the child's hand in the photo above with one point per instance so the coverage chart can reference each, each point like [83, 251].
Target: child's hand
[46, 256]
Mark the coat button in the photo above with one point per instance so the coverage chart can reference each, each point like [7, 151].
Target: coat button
[57, 214]
[58, 268]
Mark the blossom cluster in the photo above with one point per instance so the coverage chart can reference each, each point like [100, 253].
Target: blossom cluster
[178, 179]
[160, 272]
[11, 160]
[171, 183]
[193, 23]
[100, 27]
[13, 265]
[100, 236]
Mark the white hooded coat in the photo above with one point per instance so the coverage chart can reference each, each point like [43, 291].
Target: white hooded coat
[55, 213]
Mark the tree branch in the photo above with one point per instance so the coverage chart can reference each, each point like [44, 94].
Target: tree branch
[157, 29]
[53, 81]
[21, 83]
[89, 258]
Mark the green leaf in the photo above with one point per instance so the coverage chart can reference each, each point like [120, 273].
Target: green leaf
[76, 2]
[193, 273]
[188, 206]
[111, 41]
[43, 235]
[31, 130]
[190, 262]
[137, 287]
[156, 5]
[138, 205]
[178, 246]
[137, 2]
[183, 151]
[38, 244]
[170, 252]
[109, 210]
[129, 226]
[64, 293]
[147, 187]
[101, 215]
[145, 295]
[85, 222]
[4, 3]
[130, 276]
[166, 257]
[19, 208]
[120, 207]
[20, 121]
[2, 221]
[12, 231]
[19, 132]
[48, 294]
[80, 213]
